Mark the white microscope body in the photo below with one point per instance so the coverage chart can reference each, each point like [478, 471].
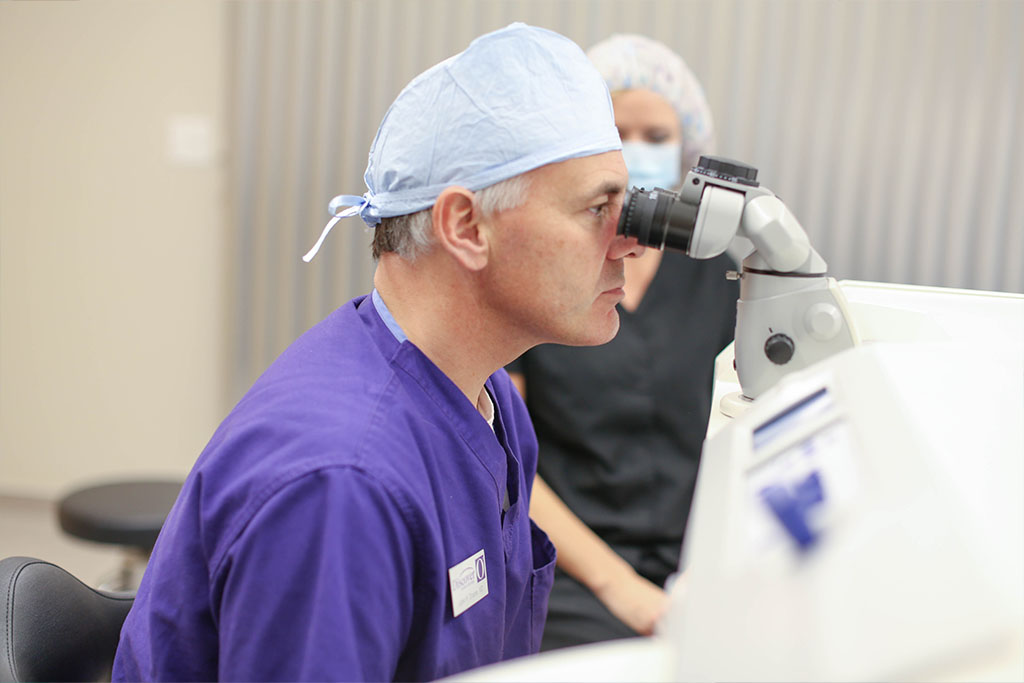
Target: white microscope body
[790, 314]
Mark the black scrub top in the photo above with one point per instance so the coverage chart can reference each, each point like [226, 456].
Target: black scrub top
[621, 425]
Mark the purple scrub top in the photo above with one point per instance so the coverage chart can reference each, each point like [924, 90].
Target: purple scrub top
[314, 537]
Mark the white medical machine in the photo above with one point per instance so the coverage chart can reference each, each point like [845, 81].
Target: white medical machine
[863, 519]
[859, 511]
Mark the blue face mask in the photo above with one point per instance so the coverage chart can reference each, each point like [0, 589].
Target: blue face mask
[653, 165]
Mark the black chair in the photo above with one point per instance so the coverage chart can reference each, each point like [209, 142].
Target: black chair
[128, 514]
[55, 628]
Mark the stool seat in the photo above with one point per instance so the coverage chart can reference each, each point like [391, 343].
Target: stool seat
[127, 513]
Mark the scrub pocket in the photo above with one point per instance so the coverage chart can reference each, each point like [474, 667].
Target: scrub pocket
[540, 583]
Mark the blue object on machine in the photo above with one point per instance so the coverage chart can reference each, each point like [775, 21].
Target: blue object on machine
[791, 507]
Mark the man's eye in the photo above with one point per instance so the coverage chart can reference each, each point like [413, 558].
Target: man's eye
[599, 211]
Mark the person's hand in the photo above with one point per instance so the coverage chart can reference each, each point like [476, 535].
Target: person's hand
[635, 601]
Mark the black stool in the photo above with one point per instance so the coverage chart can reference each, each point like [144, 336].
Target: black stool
[127, 514]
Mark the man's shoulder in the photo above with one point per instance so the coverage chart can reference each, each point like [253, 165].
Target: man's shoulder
[321, 403]
[343, 424]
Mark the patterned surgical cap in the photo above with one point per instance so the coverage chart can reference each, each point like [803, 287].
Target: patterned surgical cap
[629, 61]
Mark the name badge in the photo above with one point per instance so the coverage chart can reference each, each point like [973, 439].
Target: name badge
[468, 580]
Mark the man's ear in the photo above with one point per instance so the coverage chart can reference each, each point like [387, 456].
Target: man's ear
[458, 229]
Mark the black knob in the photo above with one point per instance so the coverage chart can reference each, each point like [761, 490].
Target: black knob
[779, 348]
[727, 169]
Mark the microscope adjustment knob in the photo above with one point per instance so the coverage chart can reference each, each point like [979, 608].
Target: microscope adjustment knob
[779, 348]
[823, 321]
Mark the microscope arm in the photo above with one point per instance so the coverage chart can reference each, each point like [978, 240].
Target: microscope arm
[778, 238]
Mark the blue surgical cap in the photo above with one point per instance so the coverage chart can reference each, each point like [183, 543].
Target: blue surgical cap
[514, 100]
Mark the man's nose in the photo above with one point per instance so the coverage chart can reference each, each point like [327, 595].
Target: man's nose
[624, 247]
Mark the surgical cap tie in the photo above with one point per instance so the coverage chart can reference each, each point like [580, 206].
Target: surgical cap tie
[356, 205]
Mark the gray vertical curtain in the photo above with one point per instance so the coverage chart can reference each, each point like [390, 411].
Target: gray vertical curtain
[892, 129]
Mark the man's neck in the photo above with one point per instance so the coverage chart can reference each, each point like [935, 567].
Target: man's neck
[439, 313]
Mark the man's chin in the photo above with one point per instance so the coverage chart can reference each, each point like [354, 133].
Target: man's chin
[600, 332]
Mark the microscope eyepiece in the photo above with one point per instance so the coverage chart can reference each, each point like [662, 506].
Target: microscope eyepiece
[657, 218]
[660, 218]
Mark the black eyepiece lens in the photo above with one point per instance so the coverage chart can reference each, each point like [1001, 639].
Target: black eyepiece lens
[657, 218]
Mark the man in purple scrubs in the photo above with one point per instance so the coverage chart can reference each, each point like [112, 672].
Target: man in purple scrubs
[362, 513]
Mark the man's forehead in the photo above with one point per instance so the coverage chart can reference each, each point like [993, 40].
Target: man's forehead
[596, 174]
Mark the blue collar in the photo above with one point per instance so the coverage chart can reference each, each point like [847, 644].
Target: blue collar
[385, 315]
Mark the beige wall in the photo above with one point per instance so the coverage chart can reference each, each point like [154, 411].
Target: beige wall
[111, 239]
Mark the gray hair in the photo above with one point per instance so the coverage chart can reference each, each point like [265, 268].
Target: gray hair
[410, 235]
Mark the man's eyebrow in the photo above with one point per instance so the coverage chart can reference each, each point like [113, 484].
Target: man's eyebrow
[609, 187]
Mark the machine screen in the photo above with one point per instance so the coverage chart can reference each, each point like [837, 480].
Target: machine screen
[807, 475]
[792, 418]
